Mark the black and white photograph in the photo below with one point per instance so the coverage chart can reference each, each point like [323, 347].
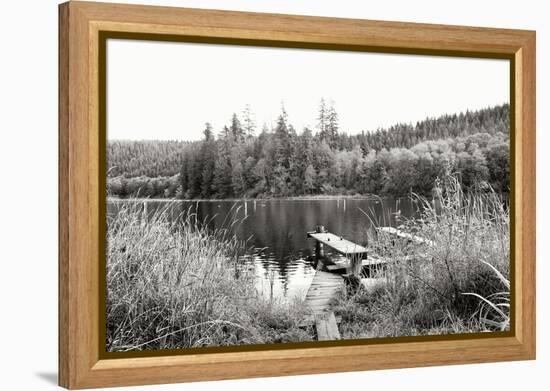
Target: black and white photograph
[266, 195]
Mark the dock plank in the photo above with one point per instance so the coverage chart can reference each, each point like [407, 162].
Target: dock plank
[310, 321]
[326, 326]
[338, 243]
[323, 288]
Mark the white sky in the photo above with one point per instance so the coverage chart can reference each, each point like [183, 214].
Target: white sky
[161, 90]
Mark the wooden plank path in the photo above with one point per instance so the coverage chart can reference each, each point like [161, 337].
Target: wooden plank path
[326, 285]
[323, 288]
[326, 326]
[338, 243]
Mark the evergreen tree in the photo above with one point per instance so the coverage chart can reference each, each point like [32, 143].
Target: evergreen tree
[237, 180]
[209, 157]
[309, 179]
[237, 171]
[236, 129]
[282, 155]
[332, 126]
[322, 121]
[194, 174]
[249, 125]
[221, 184]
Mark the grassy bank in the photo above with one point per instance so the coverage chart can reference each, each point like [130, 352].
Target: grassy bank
[458, 285]
[176, 285]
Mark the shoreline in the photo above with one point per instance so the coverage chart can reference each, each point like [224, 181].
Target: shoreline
[296, 198]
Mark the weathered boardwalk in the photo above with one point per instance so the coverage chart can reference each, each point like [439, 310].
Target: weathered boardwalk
[326, 285]
[326, 326]
[323, 288]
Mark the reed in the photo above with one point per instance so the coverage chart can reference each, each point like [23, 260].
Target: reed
[172, 283]
[457, 285]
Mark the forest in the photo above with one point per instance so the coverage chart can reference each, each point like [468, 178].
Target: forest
[241, 161]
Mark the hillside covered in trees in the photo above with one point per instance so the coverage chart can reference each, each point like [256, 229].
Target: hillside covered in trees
[241, 161]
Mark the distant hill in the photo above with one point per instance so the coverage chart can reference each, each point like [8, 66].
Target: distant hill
[145, 158]
[490, 120]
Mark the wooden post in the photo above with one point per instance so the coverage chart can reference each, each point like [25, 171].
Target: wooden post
[145, 212]
[356, 263]
[319, 251]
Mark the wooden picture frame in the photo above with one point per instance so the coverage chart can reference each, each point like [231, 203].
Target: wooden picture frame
[83, 28]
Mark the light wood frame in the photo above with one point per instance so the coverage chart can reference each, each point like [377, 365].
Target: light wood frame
[81, 363]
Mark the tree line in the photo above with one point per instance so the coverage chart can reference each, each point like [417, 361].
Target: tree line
[279, 162]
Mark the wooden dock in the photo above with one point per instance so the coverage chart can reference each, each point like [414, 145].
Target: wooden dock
[338, 243]
[353, 251]
[326, 284]
[323, 288]
[326, 326]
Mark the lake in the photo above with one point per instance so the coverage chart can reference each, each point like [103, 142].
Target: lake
[280, 253]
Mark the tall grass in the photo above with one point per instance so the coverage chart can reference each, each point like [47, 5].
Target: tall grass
[172, 283]
[458, 284]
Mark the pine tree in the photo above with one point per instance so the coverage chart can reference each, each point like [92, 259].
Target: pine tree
[302, 151]
[236, 128]
[332, 126]
[238, 156]
[209, 155]
[282, 154]
[310, 177]
[221, 184]
[208, 133]
[249, 125]
[322, 120]
[194, 174]
[237, 180]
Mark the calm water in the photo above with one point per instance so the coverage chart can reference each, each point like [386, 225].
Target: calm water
[280, 253]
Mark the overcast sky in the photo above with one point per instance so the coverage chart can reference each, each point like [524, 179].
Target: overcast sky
[159, 90]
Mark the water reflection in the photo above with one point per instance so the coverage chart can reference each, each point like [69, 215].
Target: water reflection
[275, 230]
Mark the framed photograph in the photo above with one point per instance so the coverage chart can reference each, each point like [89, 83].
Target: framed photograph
[246, 195]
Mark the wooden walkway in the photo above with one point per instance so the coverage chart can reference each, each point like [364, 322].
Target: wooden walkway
[326, 285]
[326, 326]
[323, 288]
